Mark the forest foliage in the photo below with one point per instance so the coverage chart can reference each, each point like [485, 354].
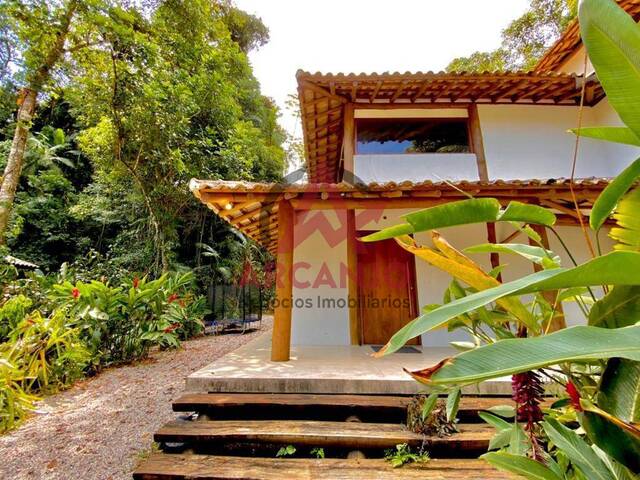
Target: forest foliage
[145, 97]
[524, 40]
[107, 253]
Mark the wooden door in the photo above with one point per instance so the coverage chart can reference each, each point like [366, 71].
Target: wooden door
[386, 290]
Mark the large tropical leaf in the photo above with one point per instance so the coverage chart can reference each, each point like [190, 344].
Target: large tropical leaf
[617, 442]
[456, 264]
[574, 447]
[615, 268]
[607, 201]
[627, 233]
[516, 355]
[619, 392]
[465, 212]
[532, 253]
[615, 424]
[523, 466]
[610, 134]
[619, 308]
[612, 39]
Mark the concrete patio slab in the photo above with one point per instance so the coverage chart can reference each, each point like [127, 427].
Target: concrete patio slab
[324, 369]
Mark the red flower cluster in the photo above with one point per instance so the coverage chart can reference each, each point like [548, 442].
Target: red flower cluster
[135, 282]
[527, 393]
[171, 328]
[574, 396]
[172, 298]
[75, 293]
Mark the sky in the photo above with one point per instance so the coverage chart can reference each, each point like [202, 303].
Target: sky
[333, 36]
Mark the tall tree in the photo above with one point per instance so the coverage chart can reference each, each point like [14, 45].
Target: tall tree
[172, 100]
[41, 56]
[525, 40]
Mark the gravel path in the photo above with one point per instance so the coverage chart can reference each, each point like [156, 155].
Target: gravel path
[100, 428]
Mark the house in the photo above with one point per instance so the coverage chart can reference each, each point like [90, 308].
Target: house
[381, 145]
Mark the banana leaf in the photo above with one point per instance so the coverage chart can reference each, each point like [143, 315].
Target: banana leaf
[516, 355]
[614, 425]
[465, 212]
[618, 308]
[523, 466]
[532, 253]
[456, 264]
[578, 451]
[609, 134]
[627, 233]
[612, 39]
[607, 201]
[615, 268]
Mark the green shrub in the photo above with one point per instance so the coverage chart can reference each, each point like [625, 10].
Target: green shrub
[52, 334]
[50, 354]
[11, 313]
[15, 402]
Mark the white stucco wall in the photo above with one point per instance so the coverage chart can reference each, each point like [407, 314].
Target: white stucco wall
[320, 253]
[575, 63]
[525, 142]
[416, 167]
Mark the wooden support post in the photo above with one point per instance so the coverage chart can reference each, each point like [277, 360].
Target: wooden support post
[477, 146]
[281, 338]
[476, 143]
[348, 144]
[494, 256]
[558, 321]
[355, 330]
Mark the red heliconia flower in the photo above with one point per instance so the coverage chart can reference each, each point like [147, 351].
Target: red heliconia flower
[172, 298]
[135, 282]
[527, 393]
[75, 293]
[574, 395]
[171, 328]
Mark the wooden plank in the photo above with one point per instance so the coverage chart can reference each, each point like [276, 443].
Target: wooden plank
[162, 466]
[265, 405]
[193, 401]
[348, 435]
[281, 337]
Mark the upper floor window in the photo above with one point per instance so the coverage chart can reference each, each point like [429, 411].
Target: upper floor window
[411, 135]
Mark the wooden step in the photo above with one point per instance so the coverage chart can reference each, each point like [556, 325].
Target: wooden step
[348, 435]
[162, 466]
[321, 407]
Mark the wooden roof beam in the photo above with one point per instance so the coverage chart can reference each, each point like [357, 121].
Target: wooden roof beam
[509, 91]
[398, 92]
[421, 90]
[354, 91]
[321, 91]
[376, 89]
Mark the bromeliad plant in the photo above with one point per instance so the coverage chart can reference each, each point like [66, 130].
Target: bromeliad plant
[598, 364]
[122, 323]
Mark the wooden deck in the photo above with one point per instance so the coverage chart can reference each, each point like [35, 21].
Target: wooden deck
[236, 436]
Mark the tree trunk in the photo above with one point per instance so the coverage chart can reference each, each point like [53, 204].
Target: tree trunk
[13, 168]
[26, 109]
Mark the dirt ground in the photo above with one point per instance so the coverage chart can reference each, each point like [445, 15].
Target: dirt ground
[101, 427]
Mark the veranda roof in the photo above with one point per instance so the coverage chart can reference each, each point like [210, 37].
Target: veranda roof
[323, 96]
[252, 207]
[570, 40]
